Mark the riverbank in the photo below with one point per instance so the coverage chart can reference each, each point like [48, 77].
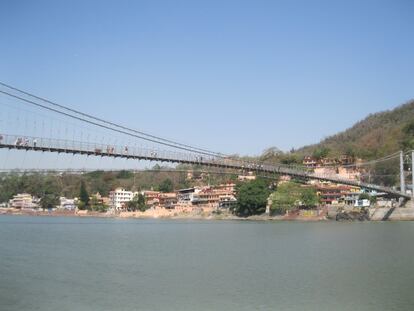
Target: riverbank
[169, 214]
[328, 214]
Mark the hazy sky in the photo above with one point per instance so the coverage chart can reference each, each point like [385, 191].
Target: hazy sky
[231, 76]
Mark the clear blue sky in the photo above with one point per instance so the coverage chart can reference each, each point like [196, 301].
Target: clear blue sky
[231, 76]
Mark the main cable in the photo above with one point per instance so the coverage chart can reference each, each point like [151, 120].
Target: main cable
[196, 149]
[107, 127]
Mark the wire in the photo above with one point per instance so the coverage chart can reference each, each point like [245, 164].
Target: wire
[109, 128]
[110, 123]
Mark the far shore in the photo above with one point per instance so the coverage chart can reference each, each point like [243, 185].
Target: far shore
[375, 214]
[154, 215]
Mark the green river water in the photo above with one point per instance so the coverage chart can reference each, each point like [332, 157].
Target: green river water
[63, 263]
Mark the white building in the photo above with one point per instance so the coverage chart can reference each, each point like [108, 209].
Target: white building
[119, 196]
[23, 200]
[68, 204]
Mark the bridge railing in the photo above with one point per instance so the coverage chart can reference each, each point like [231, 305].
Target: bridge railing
[29, 142]
[73, 146]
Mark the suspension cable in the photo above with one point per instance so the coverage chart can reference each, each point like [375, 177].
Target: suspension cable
[110, 128]
[111, 123]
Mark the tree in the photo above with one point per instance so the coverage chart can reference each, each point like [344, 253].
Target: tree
[321, 153]
[367, 196]
[137, 203]
[309, 198]
[83, 194]
[270, 153]
[290, 159]
[364, 196]
[96, 205]
[252, 198]
[408, 139]
[285, 198]
[51, 193]
[166, 185]
[49, 200]
[291, 195]
[385, 173]
[350, 151]
[124, 174]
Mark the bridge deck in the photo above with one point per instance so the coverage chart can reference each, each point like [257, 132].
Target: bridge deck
[63, 146]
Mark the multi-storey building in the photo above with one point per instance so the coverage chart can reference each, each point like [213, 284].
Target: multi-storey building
[213, 196]
[67, 204]
[335, 194]
[23, 200]
[119, 197]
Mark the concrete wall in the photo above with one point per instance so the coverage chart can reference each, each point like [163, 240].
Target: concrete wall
[399, 213]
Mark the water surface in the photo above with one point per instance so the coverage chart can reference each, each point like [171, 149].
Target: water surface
[53, 263]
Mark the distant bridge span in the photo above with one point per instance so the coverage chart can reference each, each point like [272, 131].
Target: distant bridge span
[100, 150]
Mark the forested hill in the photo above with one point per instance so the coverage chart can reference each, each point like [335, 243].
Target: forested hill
[377, 135]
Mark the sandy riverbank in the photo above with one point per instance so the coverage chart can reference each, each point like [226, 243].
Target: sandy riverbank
[154, 214]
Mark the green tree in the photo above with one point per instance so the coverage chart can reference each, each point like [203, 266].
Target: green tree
[83, 194]
[49, 200]
[367, 196]
[364, 196]
[137, 203]
[384, 173]
[252, 198]
[309, 198]
[285, 198]
[51, 193]
[9, 186]
[166, 185]
[96, 205]
[291, 195]
[81, 205]
[321, 153]
[124, 174]
[408, 138]
[349, 151]
[290, 159]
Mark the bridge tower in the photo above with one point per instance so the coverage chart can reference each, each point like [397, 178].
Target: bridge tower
[412, 174]
[402, 179]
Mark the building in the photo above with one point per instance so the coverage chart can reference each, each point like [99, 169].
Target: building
[23, 200]
[326, 171]
[209, 196]
[362, 203]
[98, 199]
[151, 197]
[227, 201]
[337, 194]
[67, 204]
[184, 196]
[167, 199]
[312, 162]
[119, 196]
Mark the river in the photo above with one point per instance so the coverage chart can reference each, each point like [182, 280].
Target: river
[64, 263]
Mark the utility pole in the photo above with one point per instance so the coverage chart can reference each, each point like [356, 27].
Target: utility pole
[402, 179]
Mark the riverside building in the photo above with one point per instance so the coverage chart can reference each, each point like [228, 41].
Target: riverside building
[119, 196]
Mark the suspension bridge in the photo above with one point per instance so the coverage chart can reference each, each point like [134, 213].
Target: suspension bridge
[44, 126]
